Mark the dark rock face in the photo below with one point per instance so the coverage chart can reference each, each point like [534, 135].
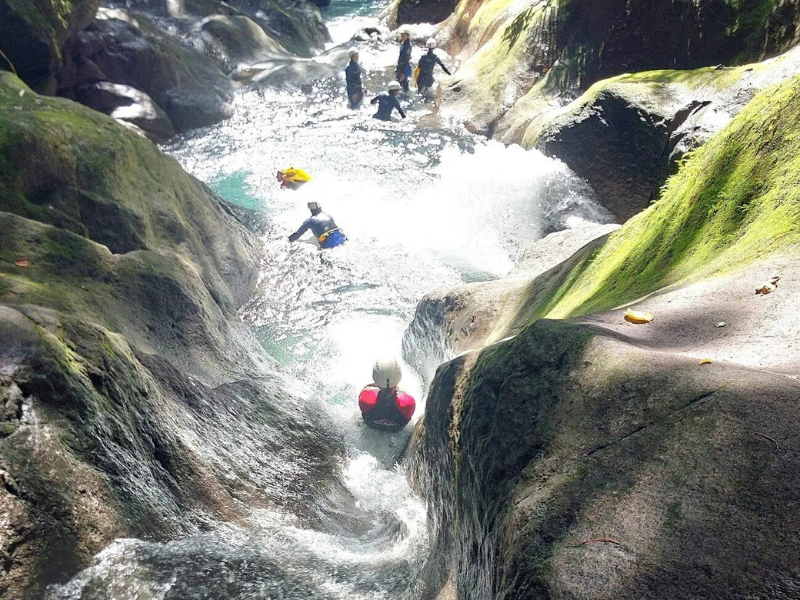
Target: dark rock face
[128, 105]
[622, 148]
[132, 399]
[424, 11]
[600, 39]
[627, 135]
[33, 32]
[572, 463]
[187, 85]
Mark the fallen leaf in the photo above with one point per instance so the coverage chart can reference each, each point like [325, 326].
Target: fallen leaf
[706, 361]
[721, 324]
[638, 318]
[22, 262]
[765, 289]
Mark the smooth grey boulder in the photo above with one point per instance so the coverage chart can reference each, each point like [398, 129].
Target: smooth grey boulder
[297, 24]
[128, 105]
[237, 40]
[185, 83]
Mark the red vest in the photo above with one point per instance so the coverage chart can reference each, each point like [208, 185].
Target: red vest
[368, 401]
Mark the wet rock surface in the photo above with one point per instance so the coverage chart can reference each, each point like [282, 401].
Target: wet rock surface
[129, 106]
[592, 457]
[185, 83]
[625, 136]
[124, 370]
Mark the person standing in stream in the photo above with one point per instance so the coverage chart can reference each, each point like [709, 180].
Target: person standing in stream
[427, 64]
[403, 73]
[352, 73]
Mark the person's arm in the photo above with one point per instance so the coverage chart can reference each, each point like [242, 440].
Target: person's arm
[303, 228]
[375, 100]
[398, 107]
[441, 64]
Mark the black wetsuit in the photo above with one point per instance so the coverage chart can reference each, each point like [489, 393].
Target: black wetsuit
[386, 415]
[386, 104]
[354, 87]
[318, 224]
[404, 64]
[427, 64]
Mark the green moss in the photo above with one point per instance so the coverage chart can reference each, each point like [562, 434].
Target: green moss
[733, 202]
[50, 19]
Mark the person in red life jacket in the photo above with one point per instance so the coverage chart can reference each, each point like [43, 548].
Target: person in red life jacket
[382, 404]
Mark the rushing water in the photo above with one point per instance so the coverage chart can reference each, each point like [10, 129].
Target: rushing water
[424, 205]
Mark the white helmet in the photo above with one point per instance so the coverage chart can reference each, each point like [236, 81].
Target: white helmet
[352, 51]
[395, 86]
[386, 373]
[404, 30]
[431, 43]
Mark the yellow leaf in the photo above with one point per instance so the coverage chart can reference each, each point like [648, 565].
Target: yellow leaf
[706, 361]
[638, 318]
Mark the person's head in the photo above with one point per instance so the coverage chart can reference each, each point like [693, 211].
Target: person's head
[430, 44]
[353, 54]
[405, 34]
[386, 373]
[314, 207]
[394, 88]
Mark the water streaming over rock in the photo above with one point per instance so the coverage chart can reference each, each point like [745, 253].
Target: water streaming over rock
[423, 205]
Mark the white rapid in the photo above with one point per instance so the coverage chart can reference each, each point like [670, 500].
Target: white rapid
[424, 205]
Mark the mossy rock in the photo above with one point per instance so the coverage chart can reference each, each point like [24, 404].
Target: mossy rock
[556, 463]
[734, 202]
[33, 32]
[584, 41]
[126, 372]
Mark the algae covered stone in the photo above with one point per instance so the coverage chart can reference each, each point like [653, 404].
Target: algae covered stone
[33, 32]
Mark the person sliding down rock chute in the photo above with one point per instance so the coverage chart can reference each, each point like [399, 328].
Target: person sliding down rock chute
[427, 63]
[293, 178]
[322, 226]
[387, 102]
[383, 405]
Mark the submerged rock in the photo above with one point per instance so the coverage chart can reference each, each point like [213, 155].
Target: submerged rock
[134, 402]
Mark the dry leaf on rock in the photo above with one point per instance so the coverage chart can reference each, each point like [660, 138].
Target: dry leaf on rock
[638, 318]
